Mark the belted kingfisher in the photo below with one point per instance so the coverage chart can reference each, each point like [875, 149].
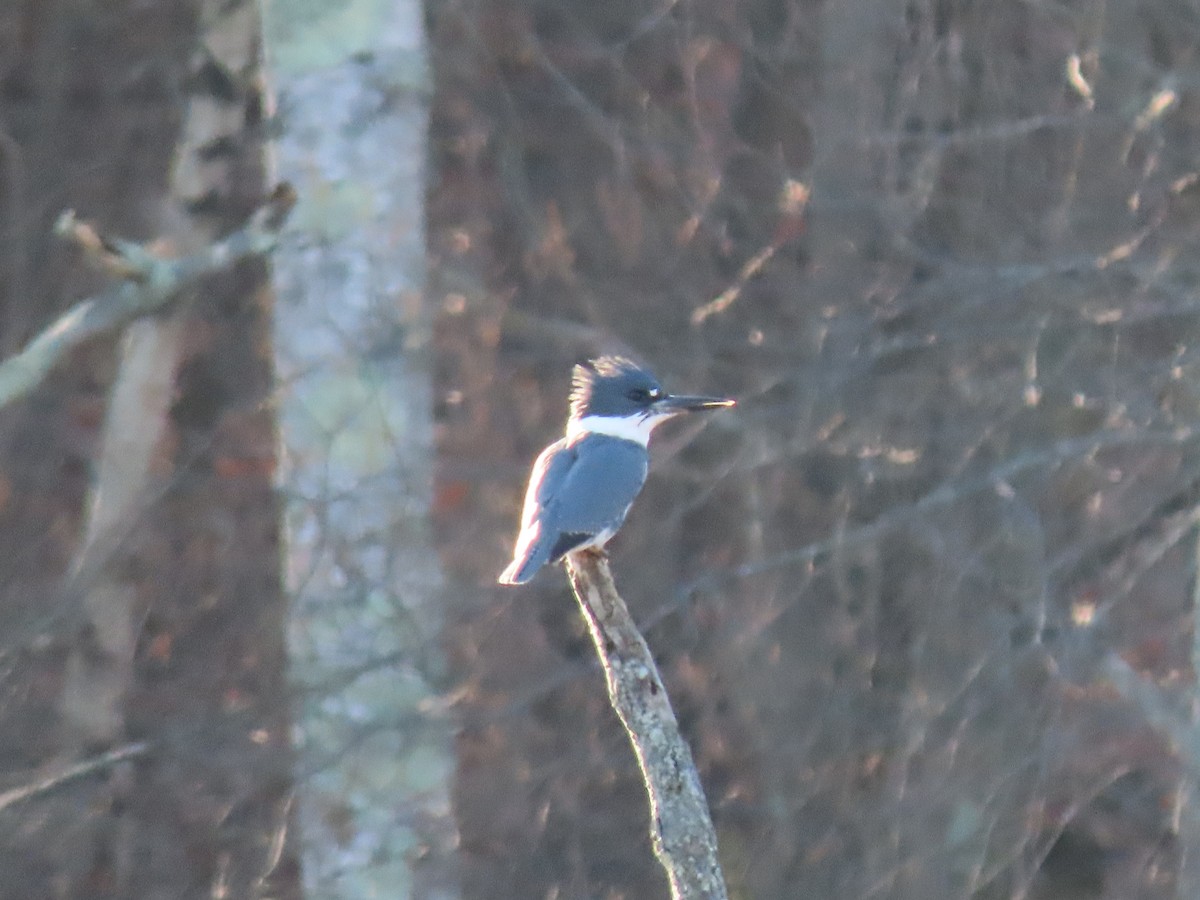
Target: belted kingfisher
[584, 483]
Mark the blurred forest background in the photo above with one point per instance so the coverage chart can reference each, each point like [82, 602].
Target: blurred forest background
[925, 602]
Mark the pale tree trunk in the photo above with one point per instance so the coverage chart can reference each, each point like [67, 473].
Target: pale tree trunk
[352, 340]
[137, 423]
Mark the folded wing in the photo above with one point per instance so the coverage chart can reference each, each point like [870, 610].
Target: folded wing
[578, 496]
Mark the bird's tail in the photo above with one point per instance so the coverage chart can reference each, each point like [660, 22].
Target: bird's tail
[529, 557]
[519, 571]
[512, 575]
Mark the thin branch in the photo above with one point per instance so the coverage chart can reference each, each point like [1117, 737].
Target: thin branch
[792, 201]
[69, 773]
[948, 493]
[151, 284]
[680, 827]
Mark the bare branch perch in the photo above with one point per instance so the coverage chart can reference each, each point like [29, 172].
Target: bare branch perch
[151, 283]
[680, 827]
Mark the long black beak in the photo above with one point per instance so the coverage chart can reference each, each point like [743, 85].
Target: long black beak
[679, 404]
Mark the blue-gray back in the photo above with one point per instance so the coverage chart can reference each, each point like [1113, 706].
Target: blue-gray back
[585, 486]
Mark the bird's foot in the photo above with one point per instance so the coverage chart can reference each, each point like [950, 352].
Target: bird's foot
[592, 552]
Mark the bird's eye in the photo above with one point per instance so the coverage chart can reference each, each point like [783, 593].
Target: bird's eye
[640, 395]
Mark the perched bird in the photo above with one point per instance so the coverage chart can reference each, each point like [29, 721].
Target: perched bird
[584, 483]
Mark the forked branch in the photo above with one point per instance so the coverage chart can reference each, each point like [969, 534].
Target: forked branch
[148, 285]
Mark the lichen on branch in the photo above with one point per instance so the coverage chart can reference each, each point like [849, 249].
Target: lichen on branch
[680, 826]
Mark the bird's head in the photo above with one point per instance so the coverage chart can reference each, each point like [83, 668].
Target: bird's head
[615, 388]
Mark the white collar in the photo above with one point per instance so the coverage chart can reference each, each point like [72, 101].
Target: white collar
[636, 429]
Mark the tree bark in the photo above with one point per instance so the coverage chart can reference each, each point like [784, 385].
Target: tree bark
[146, 750]
[680, 827]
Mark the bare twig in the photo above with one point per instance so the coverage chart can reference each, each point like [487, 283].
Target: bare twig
[680, 827]
[150, 286]
[792, 201]
[71, 772]
[950, 492]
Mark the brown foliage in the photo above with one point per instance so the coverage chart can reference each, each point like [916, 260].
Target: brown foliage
[964, 403]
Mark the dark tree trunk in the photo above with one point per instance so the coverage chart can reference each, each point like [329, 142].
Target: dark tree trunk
[189, 669]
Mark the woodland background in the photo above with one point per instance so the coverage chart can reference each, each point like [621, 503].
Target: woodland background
[925, 601]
